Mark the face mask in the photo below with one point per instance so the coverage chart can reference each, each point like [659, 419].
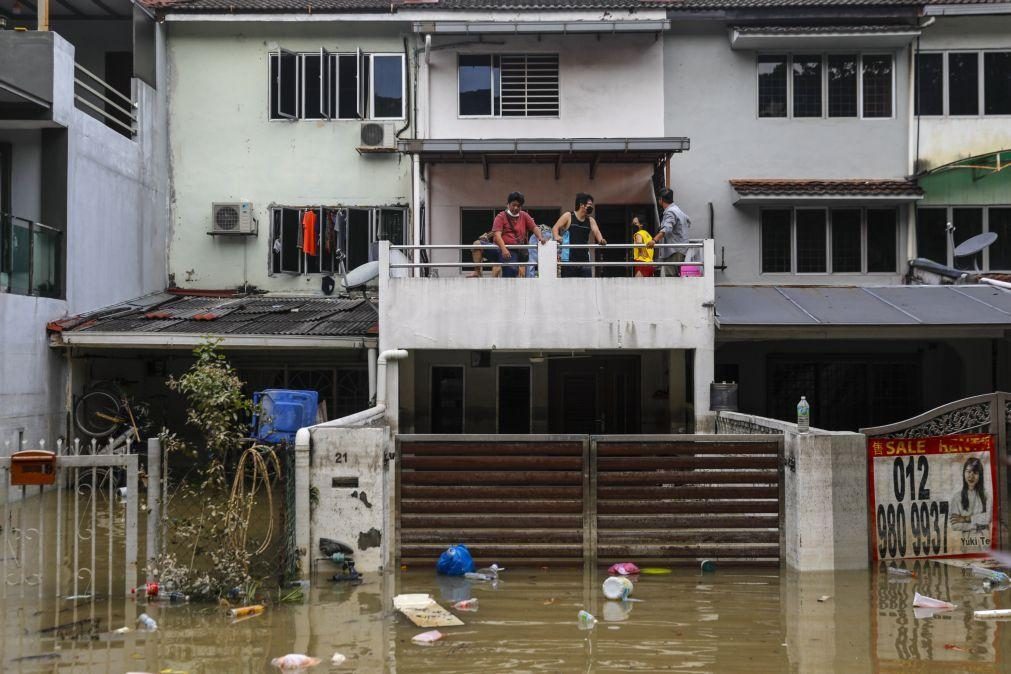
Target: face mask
[512, 212]
[589, 210]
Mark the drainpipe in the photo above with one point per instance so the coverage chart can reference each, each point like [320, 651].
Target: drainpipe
[372, 372]
[376, 411]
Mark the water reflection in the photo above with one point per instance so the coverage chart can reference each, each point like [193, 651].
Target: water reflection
[730, 620]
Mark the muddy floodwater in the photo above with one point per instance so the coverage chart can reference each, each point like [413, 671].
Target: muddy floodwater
[731, 620]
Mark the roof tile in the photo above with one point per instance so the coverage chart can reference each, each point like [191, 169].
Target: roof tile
[799, 188]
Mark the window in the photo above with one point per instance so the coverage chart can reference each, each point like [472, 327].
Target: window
[846, 240]
[968, 223]
[877, 75]
[929, 84]
[999, 221]
[881, 240]
[931, 237]
[772, 86]
[997, 83]
[514, 397]
[838, 241]
[963, 84]
[508, 85]
[933, 243]
[823, 85]
[447, 399]
[811, 241]
[342, 235]
[776, 249]
[323, 85]
[842, 86]
[807, 86]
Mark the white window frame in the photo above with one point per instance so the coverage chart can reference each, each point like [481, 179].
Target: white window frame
[498, 56]
[829, 271]
[949, 217]
[981, 84]
[823, 55]
[372, 85]
[364, 103]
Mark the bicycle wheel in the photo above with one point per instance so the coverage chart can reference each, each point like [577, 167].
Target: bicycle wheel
[98, 414]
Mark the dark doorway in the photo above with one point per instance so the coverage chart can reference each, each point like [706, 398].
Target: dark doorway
[514, 399]
[598, 395]
[615, 223]
[118, 73]
[447, 399]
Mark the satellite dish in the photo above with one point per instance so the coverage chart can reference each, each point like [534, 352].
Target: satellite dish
[359, 276]
[975, 244]
[398, 257]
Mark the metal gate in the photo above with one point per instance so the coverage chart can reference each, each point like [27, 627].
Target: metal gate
[75, 541]
[988, 413]
[532, 499]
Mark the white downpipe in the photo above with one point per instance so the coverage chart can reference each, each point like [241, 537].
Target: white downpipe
[365, 415]
[416, 208]
[995, 282]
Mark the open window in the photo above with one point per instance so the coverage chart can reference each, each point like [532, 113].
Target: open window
[284, 79]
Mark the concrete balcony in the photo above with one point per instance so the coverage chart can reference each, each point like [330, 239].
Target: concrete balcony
[26, 74]
[546, 312]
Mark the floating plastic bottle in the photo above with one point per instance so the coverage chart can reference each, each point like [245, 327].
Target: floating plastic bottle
[474, 575]
[992, 575]
[246, 611]
[147, 622]
[899, 571]
[466, 604]
[586, 620]
[803, 415]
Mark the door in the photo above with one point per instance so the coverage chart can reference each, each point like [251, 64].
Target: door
[594, 395]
[447, 399]
[615, 223]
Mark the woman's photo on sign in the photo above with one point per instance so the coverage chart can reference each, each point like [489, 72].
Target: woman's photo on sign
[970, 505]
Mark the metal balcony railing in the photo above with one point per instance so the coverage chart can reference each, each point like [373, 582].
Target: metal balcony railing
[91, 92]
[30, 257]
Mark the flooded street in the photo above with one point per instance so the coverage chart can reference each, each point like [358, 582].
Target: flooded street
[759, 620]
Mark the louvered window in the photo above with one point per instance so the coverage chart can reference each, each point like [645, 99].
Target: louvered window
[508, 85]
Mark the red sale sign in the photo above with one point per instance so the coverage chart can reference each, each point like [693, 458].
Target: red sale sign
[932, 497]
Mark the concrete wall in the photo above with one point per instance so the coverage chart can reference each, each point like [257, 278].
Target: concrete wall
[824, 495]
[357, 516]
[607, 88]
[710, 95]
[945, 139]
[109, 194]
[224, 148]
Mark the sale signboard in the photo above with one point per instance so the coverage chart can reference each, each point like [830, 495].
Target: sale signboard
[932, 497]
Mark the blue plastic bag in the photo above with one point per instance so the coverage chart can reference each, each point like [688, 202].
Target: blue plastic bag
[455, 561]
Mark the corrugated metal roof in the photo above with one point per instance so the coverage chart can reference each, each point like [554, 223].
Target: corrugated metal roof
[896, 306]
[862, 187]
[247, 315]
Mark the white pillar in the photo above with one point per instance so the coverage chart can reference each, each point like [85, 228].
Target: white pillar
[547, 260]
[416, 211]
[704, 367]
[373, 355]
[303, 533]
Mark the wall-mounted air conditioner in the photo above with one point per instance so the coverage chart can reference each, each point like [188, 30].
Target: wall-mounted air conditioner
[378, 137]
[235, 218]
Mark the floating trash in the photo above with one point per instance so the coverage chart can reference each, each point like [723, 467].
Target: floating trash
[295, 661]
[920, 601]
[427, 638]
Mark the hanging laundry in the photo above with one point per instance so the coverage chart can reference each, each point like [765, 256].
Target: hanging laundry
[329, 232]
[309, 233]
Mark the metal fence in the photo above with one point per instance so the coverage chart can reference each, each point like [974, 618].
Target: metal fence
[99, 99]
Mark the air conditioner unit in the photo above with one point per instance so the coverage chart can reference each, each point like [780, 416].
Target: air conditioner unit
[378, 137]
[234, 218]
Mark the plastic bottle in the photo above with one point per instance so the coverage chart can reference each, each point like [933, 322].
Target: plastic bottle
[899, 571]
[466, 605]
[246, 611]
[998, 577]
[147, 622]
[586, 619]
[803, 415]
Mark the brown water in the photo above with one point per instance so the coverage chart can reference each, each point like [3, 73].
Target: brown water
[731, 620]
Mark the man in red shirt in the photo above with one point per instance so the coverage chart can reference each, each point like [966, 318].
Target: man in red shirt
[513, 227]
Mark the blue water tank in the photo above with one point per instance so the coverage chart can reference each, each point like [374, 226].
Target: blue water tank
[279, 413]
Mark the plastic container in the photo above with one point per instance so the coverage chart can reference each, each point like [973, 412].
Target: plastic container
[147, 622]
[998, 577]
[279, 413]
[585, 620]
[803, 415]
[617, 587]
[466, 604]
[245, 611]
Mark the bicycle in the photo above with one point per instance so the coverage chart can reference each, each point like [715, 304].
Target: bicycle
[106, 412]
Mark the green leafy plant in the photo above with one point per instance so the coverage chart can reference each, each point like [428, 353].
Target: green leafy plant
[210, 552]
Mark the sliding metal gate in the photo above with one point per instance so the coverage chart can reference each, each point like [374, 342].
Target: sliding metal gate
[533, 499]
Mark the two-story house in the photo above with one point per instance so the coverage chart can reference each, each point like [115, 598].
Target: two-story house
[83, 188]
[809, 139]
